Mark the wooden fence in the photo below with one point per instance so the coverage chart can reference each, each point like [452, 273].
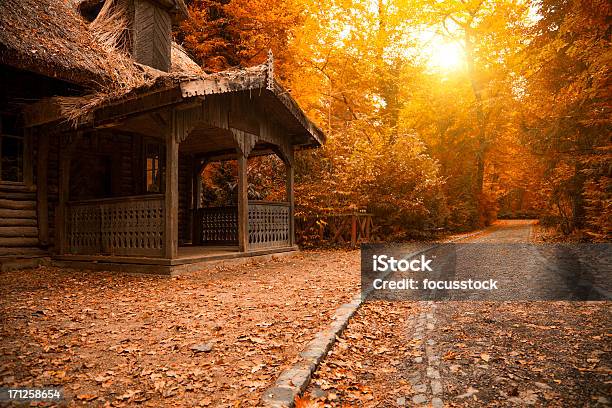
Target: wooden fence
[129, 226]
[268, 225]
[336, 229]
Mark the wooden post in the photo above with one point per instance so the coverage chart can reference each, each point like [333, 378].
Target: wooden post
[196, 191]
[353, 231]
[243, 204]
[63, 197]
[291, 200]
[28, 159]
[42, 199]
[171, 201]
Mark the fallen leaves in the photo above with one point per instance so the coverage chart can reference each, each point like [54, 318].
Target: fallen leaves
[212, 338]
[202, 348]
[470, 392]
[366, 359]
[86, 397]
[529, 356]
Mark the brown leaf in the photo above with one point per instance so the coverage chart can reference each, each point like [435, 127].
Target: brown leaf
[86, 397]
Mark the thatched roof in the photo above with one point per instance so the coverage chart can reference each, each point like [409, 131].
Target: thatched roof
[50, 38]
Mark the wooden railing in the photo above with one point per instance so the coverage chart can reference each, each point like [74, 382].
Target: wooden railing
[268, 225]
[127, 226]
[336, 229]
[217, 226]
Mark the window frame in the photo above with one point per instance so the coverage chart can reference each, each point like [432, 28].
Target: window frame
[24, 146]
[160, 146]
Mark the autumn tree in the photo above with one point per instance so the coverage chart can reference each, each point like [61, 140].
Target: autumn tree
[223, 34]
[567, 123]
[491, 34]
[353, 76]
[523, 119]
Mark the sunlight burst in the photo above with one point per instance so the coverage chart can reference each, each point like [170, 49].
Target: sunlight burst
[445, 56]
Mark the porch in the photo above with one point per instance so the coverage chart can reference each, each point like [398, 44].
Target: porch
[126, 234]
[130, 180]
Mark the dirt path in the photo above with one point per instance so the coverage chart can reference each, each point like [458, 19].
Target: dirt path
[472, 353]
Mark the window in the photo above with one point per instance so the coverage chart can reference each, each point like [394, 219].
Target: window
[11, 149]
[154, 153]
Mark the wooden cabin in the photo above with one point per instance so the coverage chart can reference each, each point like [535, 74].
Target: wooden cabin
[106, 125]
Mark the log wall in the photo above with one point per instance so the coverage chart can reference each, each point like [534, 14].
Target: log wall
[18, 224]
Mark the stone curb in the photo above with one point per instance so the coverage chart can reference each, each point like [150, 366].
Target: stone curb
[293, 381]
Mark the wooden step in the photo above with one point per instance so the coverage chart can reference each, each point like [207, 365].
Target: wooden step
[18, 222]
[18, 242]
[17, 205]
[11, 213]
[8, 232]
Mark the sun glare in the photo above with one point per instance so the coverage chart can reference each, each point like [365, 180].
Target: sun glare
[445, 56]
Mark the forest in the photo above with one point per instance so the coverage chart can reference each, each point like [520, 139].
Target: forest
[438, 114]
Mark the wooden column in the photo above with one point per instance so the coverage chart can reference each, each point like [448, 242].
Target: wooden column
[61, 221]
[354, 230]
[243, 204]
[42, 196]
[28, 158]
[196, 195]
[290, 200]
[171, 201]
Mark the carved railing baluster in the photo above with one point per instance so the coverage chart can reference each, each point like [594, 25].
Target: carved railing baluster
[218, 225]
[128, 226]
[268, 224]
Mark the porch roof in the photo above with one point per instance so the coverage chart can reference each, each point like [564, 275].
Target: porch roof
[167, 90]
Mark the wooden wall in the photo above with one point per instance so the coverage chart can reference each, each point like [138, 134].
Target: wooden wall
[19, 232]
[102, 166]
[18, 225]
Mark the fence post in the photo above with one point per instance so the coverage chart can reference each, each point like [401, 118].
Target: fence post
[353, 231]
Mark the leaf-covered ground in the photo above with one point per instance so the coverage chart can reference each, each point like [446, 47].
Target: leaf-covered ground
[215, 338]
[526, 353]
[491, 354]
[472, 353]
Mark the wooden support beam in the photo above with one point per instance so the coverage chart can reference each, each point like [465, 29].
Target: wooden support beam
[243, 203]
[353, 231]
[61, 214]
[196, 224]
[171, 202]
[42, 189]
[291, 200]
[28, 159]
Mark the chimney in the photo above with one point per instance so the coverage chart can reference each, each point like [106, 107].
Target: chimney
[149, 29]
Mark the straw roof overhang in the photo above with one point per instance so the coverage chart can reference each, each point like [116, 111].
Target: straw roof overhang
[176, 89]
[48, 37]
